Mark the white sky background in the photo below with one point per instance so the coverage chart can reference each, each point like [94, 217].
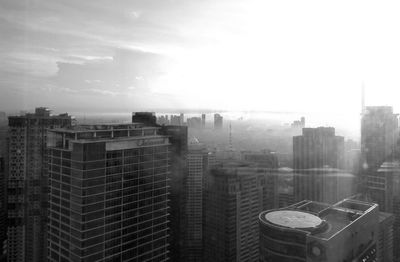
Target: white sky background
[296, 56]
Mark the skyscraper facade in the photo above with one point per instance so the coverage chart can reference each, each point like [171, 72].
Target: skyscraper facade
[109, 193]
[318, 147]
[383, 188]
[379, 135]
[3, 210]
[234, 197]
[326, 185]
[28, 183]
[313, 231]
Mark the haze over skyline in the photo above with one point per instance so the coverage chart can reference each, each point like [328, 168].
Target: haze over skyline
[307, 56]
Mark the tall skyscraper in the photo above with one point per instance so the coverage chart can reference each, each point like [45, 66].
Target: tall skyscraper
[379, 135]
[198, 165]
[3, 210]
[234, 197]
[318, 147]
[178, 138]
[109, 193]
[383, 188]
[218, 121]
[385, 240]
[28, 183]
[313, 231]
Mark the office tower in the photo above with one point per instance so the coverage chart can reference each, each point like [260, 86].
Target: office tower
[28, 183]
[218, 121]
[178, 138]
[383, 188]
[233, 199]
[176, 120]
[192, 215]
[109, 193]
[182, 119]
[203, 120]
[312, 231]
[385, 241]
[3, 210]
[323, 184]
[318, 147]
[147, 118]
[379, 135]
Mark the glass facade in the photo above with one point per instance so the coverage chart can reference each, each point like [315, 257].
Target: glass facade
[109, 205]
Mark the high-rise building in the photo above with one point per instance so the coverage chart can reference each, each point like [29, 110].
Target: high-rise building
[218, 121]
[327, 185]
[28, 183]
[203, 120]
[313, 231]
[192, 215]
[109, 193]
[385, 241]
[234, 197]
[383, 187]
[194, 122]
[3, 210]
[178, 138]
[318, 147]
[379, 135]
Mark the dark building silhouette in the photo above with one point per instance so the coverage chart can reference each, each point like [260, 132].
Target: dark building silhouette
[147, 118]
[318, 147]
[109, 193]
[313, 231]
[379, 135]
[28, 183]
[3, 209]
[218, 121]
[178, 138]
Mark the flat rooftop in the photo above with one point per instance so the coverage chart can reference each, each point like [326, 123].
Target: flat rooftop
[293, 219]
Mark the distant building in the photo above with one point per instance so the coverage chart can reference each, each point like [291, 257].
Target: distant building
[28, 183]
[203, 120]
[379, 135]
[109, 193]
[312, 231]
[327, 185]
[163, 120]
[234, 196]
[176, 120]
[147, 118]
[263, 158]
[182, 119]
[218, 121]
[194, 122]
[299, 123]
[318, 147]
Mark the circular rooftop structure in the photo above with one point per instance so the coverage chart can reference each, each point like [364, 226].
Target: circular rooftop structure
[293, 219]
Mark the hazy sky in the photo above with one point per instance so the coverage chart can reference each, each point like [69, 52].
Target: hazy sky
[220, 54]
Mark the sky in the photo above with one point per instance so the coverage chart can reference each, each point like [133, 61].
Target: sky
[126, 55]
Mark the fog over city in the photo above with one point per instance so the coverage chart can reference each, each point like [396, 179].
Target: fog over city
[199, 130]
